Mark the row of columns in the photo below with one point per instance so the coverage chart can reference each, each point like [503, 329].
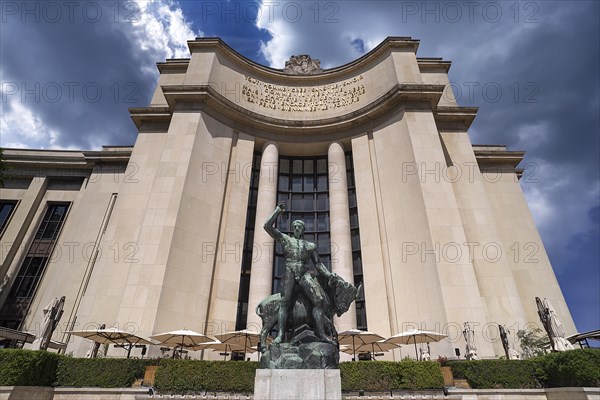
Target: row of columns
[261, 277]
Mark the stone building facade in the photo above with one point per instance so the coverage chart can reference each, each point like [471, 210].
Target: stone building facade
[374, 156]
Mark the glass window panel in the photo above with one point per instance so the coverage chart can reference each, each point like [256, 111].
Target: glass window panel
[322, 222]
[309, 183]
[297, 202]
[308, 166]
[276, 286]
[355, 238]
[253, 198]
[296, 166]
[284, 222]
[322, 182]
[353, 218]
[322, 201]
[284, 182]
[308, 203]
[321, 166]
[348, 161]
[357, 263]
[296, 183]
[309, 223]
[352, 198]
[284, 166]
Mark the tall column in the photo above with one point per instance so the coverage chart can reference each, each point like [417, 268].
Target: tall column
[339, 217]
[261, 273]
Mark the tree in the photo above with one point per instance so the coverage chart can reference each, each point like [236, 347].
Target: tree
[533, 342]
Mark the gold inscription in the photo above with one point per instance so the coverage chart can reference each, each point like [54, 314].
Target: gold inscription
[303, 98]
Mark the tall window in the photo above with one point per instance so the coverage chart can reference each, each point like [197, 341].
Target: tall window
[361, 311]
[303, 186]
[6, 209]
[25, 285]
[244, 291]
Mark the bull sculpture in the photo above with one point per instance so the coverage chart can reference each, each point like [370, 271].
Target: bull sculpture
[338, 296]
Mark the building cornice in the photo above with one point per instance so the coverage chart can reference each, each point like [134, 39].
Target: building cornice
[212, 44]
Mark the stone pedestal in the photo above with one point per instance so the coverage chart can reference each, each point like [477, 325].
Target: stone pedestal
[297, 384]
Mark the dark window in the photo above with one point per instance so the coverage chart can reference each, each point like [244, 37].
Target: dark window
[244, 290]
[32, 268]
[6, 210]
[306, 199]
[361, 310]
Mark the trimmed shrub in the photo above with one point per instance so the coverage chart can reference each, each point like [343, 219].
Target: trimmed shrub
[193, 376]
[574, 368]
[387, 375]
[499, 374]
[100, 372]
[27, 368]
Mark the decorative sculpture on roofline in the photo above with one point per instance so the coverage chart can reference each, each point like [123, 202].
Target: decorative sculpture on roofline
[303, 310]
[302, 65]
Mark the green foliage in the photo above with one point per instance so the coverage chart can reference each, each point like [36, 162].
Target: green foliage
[100, 372]
[532, 342]
[27, 368]
[499, 374]
[387, 375]
[574, 368]
[192, 376]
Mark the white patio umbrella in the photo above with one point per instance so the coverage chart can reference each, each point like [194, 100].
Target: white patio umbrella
[552, 325]
[224, 347]
[357, 338]
[375, 347]
[112, 335]
[242, 338]
[52, 314]
[93, 351]
[415, 336]
[181, 338]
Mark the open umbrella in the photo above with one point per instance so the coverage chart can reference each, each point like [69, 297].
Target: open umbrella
[357, 338]
[376, 347]
[112, 335]
[244, 338]
[93, 351]
[181, 338]
[416, 336]
[52, 314]
[224, 347]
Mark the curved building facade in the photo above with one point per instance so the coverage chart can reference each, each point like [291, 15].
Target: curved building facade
[374, 156]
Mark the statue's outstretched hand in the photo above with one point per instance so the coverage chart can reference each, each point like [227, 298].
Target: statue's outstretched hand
[281, 205]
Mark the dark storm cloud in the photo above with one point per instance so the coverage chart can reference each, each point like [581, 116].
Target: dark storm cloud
[79, 73]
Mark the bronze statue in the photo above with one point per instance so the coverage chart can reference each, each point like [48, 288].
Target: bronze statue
[305, 300]
[298, 252]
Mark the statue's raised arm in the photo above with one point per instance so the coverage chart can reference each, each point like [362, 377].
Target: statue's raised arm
[269, 225]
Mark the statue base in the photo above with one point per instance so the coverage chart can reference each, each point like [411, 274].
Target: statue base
[304, 351]
[307, 384]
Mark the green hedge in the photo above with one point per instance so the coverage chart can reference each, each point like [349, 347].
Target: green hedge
[27, 368]
[192, 376]
[498, 374]
[388, 375]
[100, 372]
[575, 368]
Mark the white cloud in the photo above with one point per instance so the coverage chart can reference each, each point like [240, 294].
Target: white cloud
[162, 27]
[21, 127]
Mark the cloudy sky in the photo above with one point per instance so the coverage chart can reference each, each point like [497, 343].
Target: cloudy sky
[70, 70]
